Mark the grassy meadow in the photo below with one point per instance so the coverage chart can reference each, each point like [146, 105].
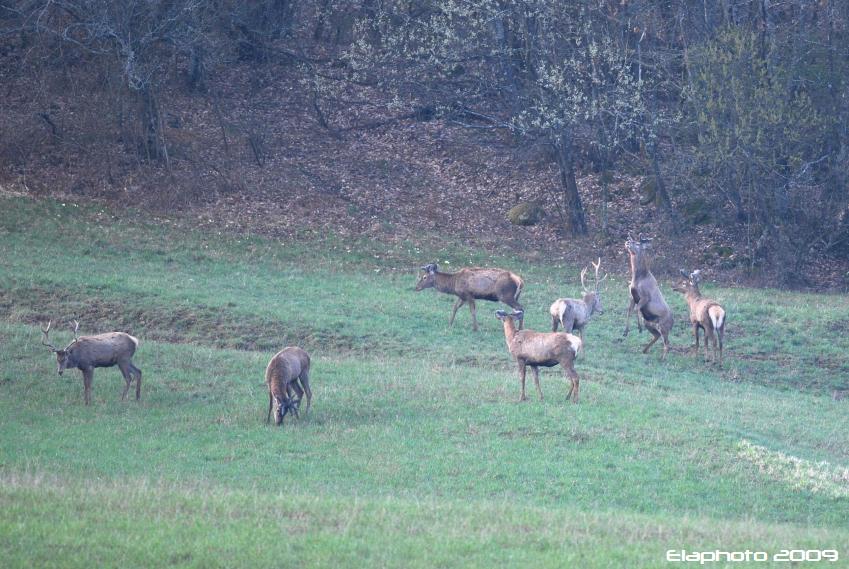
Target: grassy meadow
[416, 452]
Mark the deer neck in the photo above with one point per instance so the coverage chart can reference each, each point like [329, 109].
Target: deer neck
[589, 301]
[693, 295]
[445, 282]
[509, 330]
[639, 265]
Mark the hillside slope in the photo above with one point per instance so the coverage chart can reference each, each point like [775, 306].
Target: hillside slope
[415, 452]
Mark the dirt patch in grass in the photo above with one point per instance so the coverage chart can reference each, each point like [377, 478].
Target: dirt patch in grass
[153, 318]
[838, 326]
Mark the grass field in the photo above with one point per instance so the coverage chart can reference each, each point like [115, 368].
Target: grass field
[416, 453]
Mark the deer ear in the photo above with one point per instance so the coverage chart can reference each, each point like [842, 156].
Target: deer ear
[500, 314]
[684, 273]
[520, 314]
[696, 276]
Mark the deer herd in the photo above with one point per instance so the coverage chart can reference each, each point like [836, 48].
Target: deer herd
[287, 374]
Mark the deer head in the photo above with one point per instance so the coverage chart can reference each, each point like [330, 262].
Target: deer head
[283, 406]
[516, 315]
[639, 245]
[62, 356]
[428, 277]
[688, 282]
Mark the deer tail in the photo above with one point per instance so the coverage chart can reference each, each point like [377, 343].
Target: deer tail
[717, 317]
[519, 284]
[576, 343]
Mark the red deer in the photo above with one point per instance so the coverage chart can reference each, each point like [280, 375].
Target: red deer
[705, 313]
[646, 296]
[546, 349]
[103, 350]
[287, 372]
[574, 314]
[472, 284]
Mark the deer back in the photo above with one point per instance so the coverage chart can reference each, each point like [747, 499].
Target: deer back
[543, 347]
[286, 365]
[486, 284]
[101, 350]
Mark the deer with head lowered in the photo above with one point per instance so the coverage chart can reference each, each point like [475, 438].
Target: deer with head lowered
[472, 284]
[705, 313]
[102, 350]
[541, 349]
[573, 314]
[287, 374]
[646, 297]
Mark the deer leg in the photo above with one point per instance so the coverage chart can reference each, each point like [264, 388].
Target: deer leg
[696, 335]
[522, 397]
[656, 335]
[473, 309]
[516, 306]
[709, 339]
[270, 403]
[665, 334]
[535, 369]
[720, 333]
[88, 375]
[293, 389]
[554, 323]
[628, 317]
[138, 381]
[575, 388]
[305, 383]
[457, 304]
[641, 321]
[128, 378]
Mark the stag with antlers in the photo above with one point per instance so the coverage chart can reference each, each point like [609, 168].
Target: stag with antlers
[102, 350]
[572, 313]
[646, 297]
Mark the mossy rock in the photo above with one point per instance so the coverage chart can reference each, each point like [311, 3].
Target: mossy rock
[527, 213]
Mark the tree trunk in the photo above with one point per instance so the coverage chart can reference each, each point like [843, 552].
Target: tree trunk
[664, 204]
[577, 225]
[152, 142]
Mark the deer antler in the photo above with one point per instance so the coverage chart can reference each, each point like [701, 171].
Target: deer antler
[596, 266]
[583, 274]
[45, 332]
[74, 328]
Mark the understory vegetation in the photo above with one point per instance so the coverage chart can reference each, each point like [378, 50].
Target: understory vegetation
[416, 452]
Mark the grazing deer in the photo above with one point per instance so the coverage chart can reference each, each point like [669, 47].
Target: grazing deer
[472, 284]
[574, 314]
[646, 297]
[705, 313]
[287, 372]
[103, 350]
[546, 349]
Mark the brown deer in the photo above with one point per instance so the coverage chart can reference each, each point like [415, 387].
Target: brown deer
[546, 349]
[102, 350]
[287, 372]
[646, 297]
[472, 284]
[573, 314]
[705, 313]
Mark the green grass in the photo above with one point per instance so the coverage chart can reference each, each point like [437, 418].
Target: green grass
[416, 453]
